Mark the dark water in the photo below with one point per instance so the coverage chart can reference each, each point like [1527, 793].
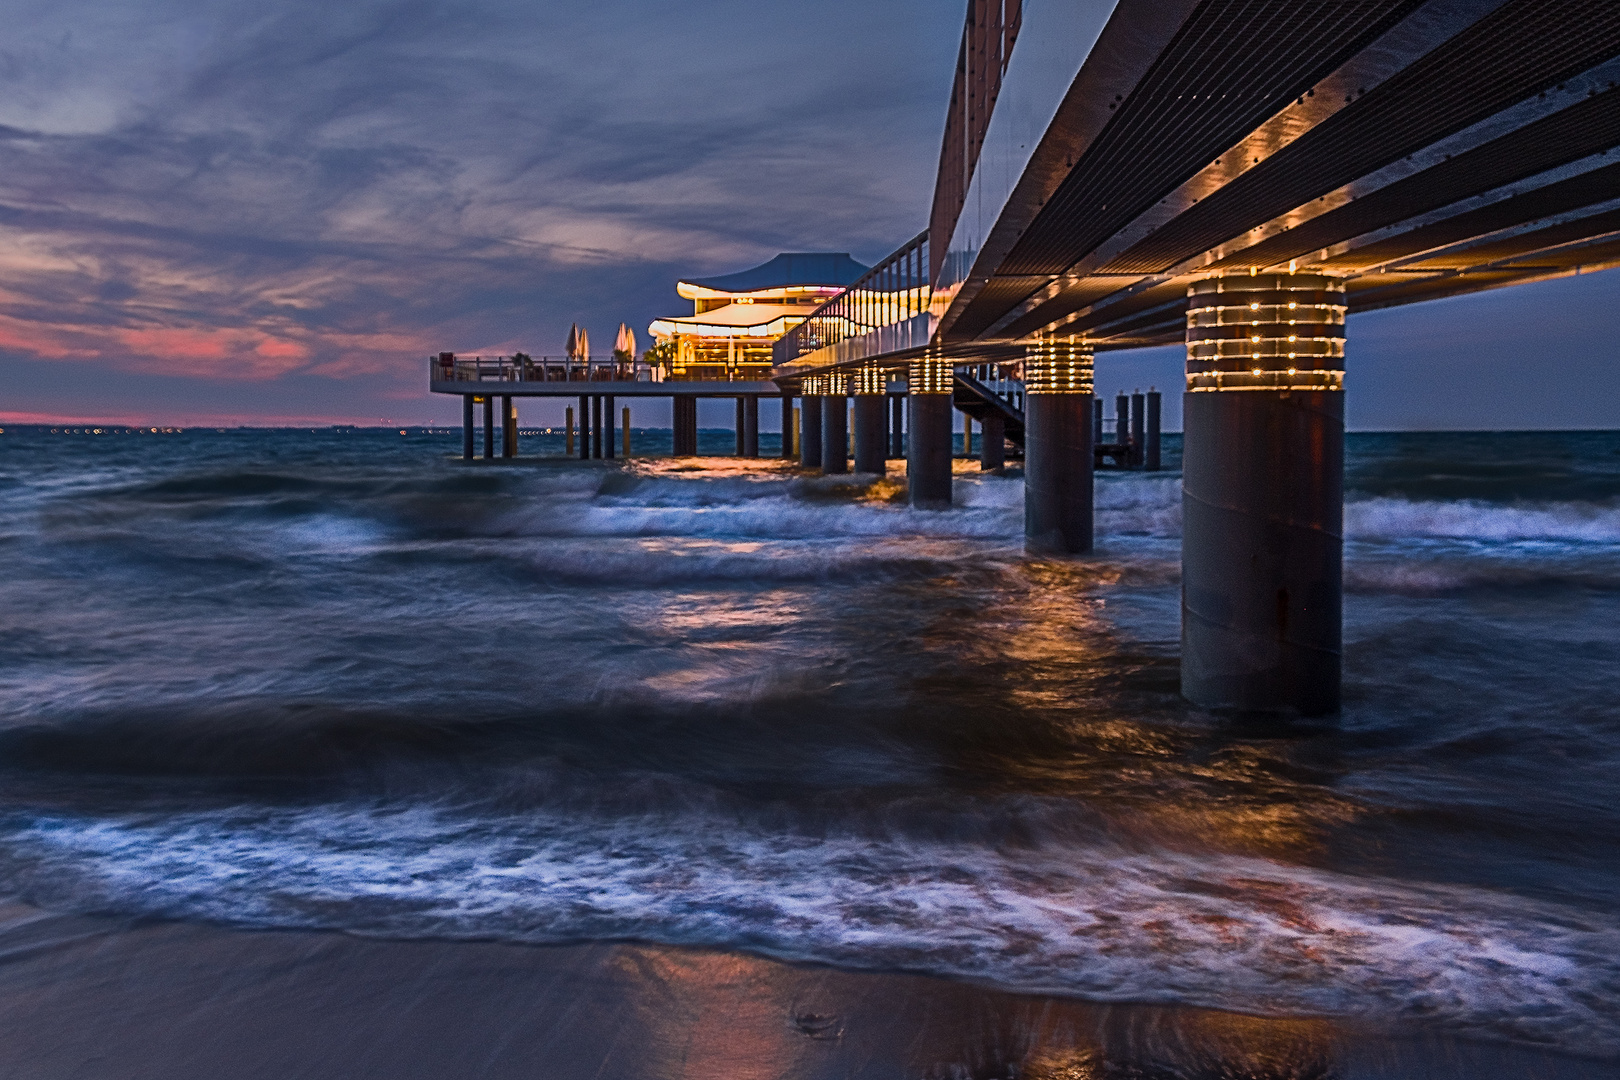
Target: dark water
[340, 680]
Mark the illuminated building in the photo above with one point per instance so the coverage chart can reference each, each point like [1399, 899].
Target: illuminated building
[736, 317]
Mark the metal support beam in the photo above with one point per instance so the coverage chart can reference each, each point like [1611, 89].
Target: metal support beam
[992, 442]
[810, 424]
[1150, 452]
[1058, 456]
[1138, 430]
[607, 426]
[508, 427]
[1263, 494]
[871, 445]
[684, 409]
[835, 423]
[788, 450]
[584, 428]
[467, 427]
[596, 426]
[928, 451]
[489, 426]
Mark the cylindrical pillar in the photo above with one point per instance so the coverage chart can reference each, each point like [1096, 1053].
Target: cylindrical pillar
[788, 449]
[1058, 455]
[1096, 420]
[992, 442]
[596, 426]
[607, 425]
[835, 423]
[897, 432]
[871, 447]
[467, 427]
[750, 426]
[684, 422]
[1150, 451]
[1263, 493]
[584, 428]
[967, 434]
[1138, 429]
[931, 381]
[810, 424]
[1122, 426]
[489, 426]
[568, 431]
[625, 427]
[739, 426]
[508, 427]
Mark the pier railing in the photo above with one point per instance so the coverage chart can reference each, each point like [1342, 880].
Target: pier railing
[449, 367]
[894, 291]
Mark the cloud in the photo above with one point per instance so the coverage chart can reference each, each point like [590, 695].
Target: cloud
[249, 194]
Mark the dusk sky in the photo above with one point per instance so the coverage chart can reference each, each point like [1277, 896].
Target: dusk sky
[226, 213]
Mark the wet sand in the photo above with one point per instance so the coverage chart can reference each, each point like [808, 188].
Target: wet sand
[101, 998]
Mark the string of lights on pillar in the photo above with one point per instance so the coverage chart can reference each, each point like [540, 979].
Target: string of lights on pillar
[835, 384]
[931, 375]
[870, 381]
[1265, 332]
[1059, 367]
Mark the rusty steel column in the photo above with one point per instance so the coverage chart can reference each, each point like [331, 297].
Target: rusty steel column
[1058, 455]
[931, 380]
[1262, 581]
[871, 451]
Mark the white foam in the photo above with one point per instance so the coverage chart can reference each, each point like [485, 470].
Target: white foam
[1107, 924]
[1388, 519]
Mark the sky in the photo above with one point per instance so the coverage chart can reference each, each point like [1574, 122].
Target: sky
[234, 212]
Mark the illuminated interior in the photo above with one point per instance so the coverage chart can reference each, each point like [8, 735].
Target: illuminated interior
[736, 317]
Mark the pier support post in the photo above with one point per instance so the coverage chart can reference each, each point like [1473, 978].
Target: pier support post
[810, 424]
[1058, 455]
[789, 451]
[1263, 493]
[467, 427]
[835, 423]
[1122, 429]
[871, 447]
[1150, 451]
[897, 431]
[684, 422]
[596, 426]
[489, 426]
[992, 442]
[584, 428]
[607, 425]
[750, 426]
[568, 438]
[1096, 421]
[931, 380]
[508, 427]
[1138, 429]
[625, 427]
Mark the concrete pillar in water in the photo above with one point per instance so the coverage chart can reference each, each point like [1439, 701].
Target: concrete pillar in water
[568, 437]
[1058, 456]
[810, 424]
[607, 425]
[467, 427]
[1262, 581]
[788, 450]
[684, 421]
[1138, 429]
[835, 423]
[1150, 451]
[1122, 426]
[596, 426]
[738, 427]
[489, 426]
[508, 427]
[1096, 420]
[750, 426]
[625, 427]
[930, 380]
[897, 431]
[584, 428]
[871, 445]
[992, 442]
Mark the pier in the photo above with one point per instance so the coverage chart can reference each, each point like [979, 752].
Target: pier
[1233, 178]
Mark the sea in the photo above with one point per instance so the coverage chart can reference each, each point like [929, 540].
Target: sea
[341, 680]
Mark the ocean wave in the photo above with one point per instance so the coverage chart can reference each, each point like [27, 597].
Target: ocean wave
[1395, 519]
[1098, 922]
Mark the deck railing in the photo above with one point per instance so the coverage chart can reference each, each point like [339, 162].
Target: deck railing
[449, 367]
[893, 291]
